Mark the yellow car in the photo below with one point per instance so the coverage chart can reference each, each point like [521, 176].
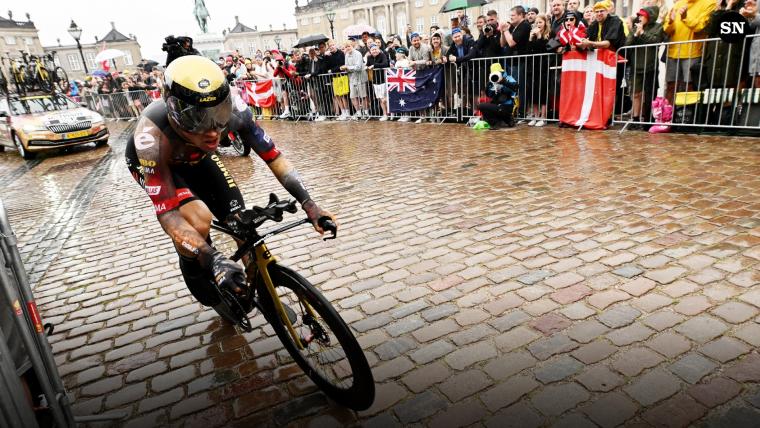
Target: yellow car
[35, 123]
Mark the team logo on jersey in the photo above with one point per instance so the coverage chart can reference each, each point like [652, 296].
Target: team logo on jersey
[144, 140]
[204, 83]
[146, 162]
[153, 190]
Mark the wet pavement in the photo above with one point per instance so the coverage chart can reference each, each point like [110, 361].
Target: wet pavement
[526, 277]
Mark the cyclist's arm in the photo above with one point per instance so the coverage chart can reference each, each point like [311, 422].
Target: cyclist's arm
[153, 151]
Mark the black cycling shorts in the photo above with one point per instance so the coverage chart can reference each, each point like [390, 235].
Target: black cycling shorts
[208, 180]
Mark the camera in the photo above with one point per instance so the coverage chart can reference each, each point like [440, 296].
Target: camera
[488, 29]
[494, 77]
[176, 47]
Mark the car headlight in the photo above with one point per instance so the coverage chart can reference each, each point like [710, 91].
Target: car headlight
[34, 128]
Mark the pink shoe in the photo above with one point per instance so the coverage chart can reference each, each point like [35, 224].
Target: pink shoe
[659, 129]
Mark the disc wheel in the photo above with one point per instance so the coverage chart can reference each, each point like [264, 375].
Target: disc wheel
[330, 356]
[239, 145]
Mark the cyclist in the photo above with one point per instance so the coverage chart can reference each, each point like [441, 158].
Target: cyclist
[172, 155]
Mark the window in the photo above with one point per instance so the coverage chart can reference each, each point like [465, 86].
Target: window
[251, 49]
[400, 22]
[10, 40]
[419, 3]
[315, 19]
[434, 20]
[304, 21]
[382, 25]
[90, 59]
[128, 58]
[420, 25]
[433, 1]
[75, 64]
[28, 41]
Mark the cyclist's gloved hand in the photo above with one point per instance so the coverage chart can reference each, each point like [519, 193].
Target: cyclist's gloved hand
[227, 274]
[314, 212]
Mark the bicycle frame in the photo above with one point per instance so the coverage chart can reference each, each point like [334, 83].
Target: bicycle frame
[263, 258]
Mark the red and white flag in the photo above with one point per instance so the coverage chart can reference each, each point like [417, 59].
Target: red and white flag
[260, 94]
[587, 91]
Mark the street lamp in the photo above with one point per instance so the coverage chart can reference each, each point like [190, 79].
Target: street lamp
[277, 41]
[76, 33]
[331, 17]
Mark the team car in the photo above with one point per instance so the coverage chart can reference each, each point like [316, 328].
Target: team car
[33, 124]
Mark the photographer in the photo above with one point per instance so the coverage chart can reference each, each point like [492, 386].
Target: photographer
[488, 43]
[176, 47]
[501, 89]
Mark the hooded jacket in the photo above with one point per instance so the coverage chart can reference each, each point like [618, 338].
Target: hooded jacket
[644, 59]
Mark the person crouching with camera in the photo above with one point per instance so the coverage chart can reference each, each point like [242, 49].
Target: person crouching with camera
[501, 89]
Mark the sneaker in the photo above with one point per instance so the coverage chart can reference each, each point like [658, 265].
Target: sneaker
[419, 120]
[522, 122]
[356, 116]
[341, 118]
[404, 119]
[532, 122]
[320, 119]
[383, 119]
[285, 114]
[540, 123]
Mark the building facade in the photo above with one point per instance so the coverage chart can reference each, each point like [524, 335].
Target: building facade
[393, 16]
[68, 57]
[247, 40]
[17, 36]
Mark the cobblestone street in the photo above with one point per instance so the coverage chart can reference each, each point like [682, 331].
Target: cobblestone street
[529, 277]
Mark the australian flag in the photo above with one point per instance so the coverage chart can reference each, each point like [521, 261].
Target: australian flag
[411, 90]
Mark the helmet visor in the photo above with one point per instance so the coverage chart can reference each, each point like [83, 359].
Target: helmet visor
[196, 119]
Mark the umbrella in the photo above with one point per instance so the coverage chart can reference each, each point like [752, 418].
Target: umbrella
[107, 54]
[461, 4]
[99, 73]
[311, 40]
[357, 30]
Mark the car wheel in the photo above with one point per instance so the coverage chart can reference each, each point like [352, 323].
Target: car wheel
[2, 149]
[101, 143]
[21, 150]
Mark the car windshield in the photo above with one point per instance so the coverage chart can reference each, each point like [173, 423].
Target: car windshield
[40, 104]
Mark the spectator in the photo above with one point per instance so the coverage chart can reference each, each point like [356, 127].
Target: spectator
[516, 32]
[464, 21]
[571, 34]
[425, 39]
[558, 15]
[284, 72]
[643, 62]
[686, 21]
[433, 29]
[588, 14]
[531, 15]
[315, 68]
[573, 5]
[335, 58]
[377, 60]
[460, 53]
[538, 71]
[501, 90]
[357, 79]
[419, 53]
[606, 32]
[364, 46]
[492, 18]
[749, 11]
[437, 50]
[489, 42]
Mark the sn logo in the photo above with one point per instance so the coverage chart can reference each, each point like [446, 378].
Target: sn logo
[732, 27]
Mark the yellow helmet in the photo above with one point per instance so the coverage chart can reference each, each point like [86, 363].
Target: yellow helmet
[196, 94]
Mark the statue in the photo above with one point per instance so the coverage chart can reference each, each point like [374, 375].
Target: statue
[201, 15]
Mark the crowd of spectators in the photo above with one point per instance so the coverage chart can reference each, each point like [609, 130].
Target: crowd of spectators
[343, 79]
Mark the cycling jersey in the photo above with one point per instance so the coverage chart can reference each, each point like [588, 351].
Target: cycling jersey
[173, 172]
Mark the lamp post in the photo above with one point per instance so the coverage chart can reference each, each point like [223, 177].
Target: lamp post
[277, 41]
[76, 33]
[331, 17]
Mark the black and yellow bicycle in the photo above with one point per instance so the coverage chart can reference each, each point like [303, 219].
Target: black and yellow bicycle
[309, 327]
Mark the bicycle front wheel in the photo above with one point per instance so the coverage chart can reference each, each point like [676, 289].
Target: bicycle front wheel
[61, 79]
[330, 355]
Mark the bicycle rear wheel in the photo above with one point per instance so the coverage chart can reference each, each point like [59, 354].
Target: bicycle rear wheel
[61, 79]
[331, 356]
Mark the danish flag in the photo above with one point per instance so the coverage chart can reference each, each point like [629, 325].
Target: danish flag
[587, 93]
[260, 94]
[401, 80]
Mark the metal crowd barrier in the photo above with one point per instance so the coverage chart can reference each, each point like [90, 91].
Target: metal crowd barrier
[537, 76]
[22, 331]
[119, 105]
[712, 89]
